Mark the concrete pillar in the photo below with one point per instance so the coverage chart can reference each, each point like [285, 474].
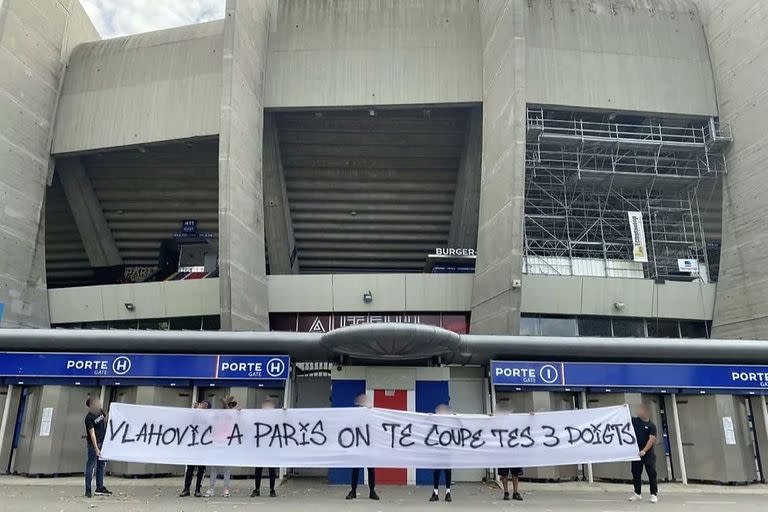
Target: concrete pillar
[463, 232]
[34, 58]
[676, 440]
[242, 262]
[91, 224]
[9, 405]
[278, 226]
[496, 291]
[731, 29]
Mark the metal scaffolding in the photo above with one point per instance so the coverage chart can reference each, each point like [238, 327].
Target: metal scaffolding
[586, 171]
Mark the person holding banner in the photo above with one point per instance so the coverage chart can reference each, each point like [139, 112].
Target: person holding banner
[441, 409]
[191, 468]
[95, 431]
[361, 400]
[646, 433]
[268, 403]
[222, 429]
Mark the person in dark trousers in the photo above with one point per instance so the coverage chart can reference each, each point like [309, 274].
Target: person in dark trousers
[191, 469]
[361, 400]
[441, 409]
[514, 474]
[268, 403]
[646, 433]
[95, 430]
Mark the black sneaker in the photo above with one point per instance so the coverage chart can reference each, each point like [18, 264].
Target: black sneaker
[255, 493]
[448, 497]
[198, 494]
[506, 496]
[516, 496]
[373, 495]
[88, 494]
[272, 493]
[184, 494]
[352, 495]
[434, 497]
[103, 492]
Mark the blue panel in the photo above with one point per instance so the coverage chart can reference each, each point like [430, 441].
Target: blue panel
[429, 394]
[343, 394]
[630, 375]
[144, 366]
[2, 307]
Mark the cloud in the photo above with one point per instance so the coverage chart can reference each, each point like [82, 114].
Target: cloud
[115, 18]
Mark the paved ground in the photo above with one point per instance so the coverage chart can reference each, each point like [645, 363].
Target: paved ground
[304, 495]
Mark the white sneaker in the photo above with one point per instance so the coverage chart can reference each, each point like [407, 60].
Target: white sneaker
[654, 498]
[226, 493]
[635, 497]
[210, 493]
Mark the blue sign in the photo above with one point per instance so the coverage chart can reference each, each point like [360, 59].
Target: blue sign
[629, 375]
[189, 226]
[144, 366]
[2, 306]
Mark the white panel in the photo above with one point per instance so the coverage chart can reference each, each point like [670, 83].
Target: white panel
[70, 305]
[619, 56]
[348, 52]
[438, 292]
[149, 87]
[388, 292]
[297, 293]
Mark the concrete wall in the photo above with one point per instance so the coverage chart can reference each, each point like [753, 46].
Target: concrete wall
[376, 52]
[642, 298]
[144, 88]
[36, 37]
[645, 55]
[496, 291]
[343, 293]
[165, 299]
[738, 41]
[242, 264]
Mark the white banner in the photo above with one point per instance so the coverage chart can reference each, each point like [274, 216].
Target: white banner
[639, 250]
[362, 437]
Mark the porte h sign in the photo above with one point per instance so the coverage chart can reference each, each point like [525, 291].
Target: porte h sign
[357, 437]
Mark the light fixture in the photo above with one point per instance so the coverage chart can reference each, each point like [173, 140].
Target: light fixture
[618, 306]
[372, 112]
[129, 306]
[367, 297]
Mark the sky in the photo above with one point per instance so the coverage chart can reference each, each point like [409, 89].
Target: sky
[114, 18]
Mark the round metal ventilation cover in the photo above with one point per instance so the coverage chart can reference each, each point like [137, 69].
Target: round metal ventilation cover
[391, 341]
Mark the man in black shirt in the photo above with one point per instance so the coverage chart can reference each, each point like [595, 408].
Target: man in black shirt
[645, 432]
[95, 430]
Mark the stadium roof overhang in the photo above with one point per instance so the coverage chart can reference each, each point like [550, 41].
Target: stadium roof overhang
[387, 343]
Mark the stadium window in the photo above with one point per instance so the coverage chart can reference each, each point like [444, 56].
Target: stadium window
[692, 329]
[595, 326]
[558, 326]
[629, 327]
[663, 328]
[211, 323]
[529, 325]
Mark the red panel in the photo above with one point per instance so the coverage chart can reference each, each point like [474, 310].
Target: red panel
[396, 399]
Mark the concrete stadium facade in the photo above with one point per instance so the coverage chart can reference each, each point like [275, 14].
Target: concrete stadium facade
[328, 146]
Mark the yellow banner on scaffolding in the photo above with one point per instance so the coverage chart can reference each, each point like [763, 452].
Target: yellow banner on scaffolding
[639, 250]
